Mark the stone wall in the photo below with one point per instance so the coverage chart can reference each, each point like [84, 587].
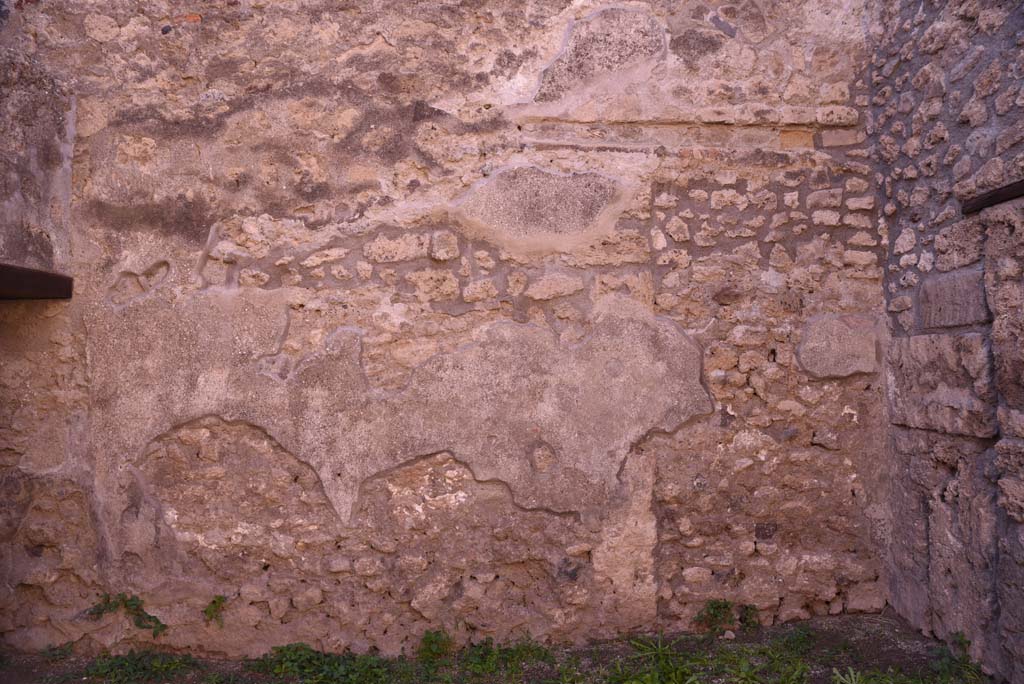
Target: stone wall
[538, 319]
[547, 319]
[946, 114]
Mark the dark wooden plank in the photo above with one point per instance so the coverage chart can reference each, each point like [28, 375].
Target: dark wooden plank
[997, 196]
[18, 282]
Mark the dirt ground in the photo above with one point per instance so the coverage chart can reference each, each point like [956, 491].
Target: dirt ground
[847, 649]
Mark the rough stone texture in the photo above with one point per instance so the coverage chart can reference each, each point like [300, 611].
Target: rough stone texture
[946, 120]
[945, 507]
[514, 378]
[608, 41]
[37, 129]
[943, 383]
[953, 299]
[527, 209]
[836, 347]
[1004, 281]
[536, 319]
[1004, 265]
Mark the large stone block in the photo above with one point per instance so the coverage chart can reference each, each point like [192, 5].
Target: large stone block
[953, 299]
[962, 550]
[944, 383]
[943, 547]
[838, 346]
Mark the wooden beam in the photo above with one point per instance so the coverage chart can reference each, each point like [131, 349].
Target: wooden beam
[997, 196]
[18, 282]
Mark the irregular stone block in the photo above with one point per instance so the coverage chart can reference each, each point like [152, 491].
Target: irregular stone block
[605, 42]
[1010, 462]
[433, 284]
[866, 597]
[554, 285]
[941, 559]
[953, 299]
[825, 199]
[480, 290]
[526, 209]
[444, 246]
[1004, 263]
[906, 241]
[401, 248]
[962, 535]
[959, 244]
[942, 382]
[837, 115]
[838, 346]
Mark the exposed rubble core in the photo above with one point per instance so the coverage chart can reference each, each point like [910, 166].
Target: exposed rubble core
[539, 319]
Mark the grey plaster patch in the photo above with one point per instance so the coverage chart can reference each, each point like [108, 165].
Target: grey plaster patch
[489, 403]
[527, 209]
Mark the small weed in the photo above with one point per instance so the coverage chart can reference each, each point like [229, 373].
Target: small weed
[58, 652]
[570, 672]
[434, 647]
[793, 673]
[405, 671]
[744, 672]
[654, 651]
[132, 606]
[434, 652]
[748, 617]
[214, 610]
[955, 665]
[481, 659]
[145, 666]
[302, 663]
[715, 617]
[484, 659]
[851, 676]
[526, 652]
[658, 662]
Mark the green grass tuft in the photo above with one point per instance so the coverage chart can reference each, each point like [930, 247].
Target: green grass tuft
[435, 646]
[715, 617]
[144, 666]
[305, 665]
